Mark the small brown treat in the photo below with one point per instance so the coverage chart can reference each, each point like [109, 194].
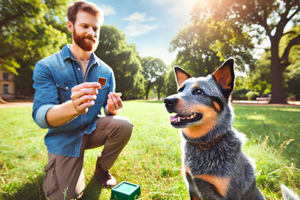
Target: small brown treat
[102, 81]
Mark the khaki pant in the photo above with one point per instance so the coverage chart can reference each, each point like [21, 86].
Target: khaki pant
[67, 172]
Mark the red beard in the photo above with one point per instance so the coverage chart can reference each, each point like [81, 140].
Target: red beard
[85, 42]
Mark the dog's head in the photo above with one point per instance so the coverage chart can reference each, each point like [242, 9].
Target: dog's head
[202, 103]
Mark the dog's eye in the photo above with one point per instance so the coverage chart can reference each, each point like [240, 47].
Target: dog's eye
[197, 91]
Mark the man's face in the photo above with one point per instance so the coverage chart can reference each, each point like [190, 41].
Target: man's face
[86, 31]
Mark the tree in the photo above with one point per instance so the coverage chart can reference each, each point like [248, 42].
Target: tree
[259, 76]
[30, 31]
[205, 43]
[153, 69]
[123, 59]
[25, 30]
[160, 84]
[171, 87]
[260, 18]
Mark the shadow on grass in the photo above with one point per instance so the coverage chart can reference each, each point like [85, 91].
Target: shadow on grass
[278, 124]
[32, 191]
[92, 190]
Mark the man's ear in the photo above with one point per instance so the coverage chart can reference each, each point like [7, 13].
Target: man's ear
[224, 77]
[181, 75]
[70, 26]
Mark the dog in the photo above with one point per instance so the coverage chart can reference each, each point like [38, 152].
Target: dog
[214, 166]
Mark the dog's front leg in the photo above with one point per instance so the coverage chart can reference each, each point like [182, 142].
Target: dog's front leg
[193, 195]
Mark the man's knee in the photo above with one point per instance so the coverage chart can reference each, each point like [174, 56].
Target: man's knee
[125, 127]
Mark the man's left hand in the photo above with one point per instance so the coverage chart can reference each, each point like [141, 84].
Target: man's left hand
[114, 103]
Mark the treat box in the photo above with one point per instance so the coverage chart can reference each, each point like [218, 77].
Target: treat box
[125, 191]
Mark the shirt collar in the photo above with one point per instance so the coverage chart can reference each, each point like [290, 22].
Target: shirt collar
[66, 53]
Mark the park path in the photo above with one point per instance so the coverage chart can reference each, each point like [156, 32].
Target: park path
[16, 105]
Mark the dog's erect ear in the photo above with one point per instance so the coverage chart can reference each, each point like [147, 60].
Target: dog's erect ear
[181, 75]
[224, 77]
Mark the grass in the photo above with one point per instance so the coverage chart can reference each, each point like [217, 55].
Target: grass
[152, 158]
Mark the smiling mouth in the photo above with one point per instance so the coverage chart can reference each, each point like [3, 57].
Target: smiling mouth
[183, 120]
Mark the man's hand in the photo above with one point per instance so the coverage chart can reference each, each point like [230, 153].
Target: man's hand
[83, 96]
[114, 103]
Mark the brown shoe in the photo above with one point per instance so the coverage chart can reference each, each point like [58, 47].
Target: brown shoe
[107, 180]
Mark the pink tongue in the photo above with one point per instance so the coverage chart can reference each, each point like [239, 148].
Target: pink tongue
[173, 118]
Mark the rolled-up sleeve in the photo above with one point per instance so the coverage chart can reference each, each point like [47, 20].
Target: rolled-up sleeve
[45, 96]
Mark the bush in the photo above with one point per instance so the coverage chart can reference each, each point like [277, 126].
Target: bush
[252, 95]
[239, 94]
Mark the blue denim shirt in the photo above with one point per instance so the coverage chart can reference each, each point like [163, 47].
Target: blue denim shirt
[54, 77]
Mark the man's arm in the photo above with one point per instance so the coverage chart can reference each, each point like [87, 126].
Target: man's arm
[82, 97]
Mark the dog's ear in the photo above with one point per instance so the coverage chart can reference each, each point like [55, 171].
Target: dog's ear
[181, 75]
[224, 77]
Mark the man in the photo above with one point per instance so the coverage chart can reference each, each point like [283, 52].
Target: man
[68, 101]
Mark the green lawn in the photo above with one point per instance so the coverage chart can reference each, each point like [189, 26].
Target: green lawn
[152, 158]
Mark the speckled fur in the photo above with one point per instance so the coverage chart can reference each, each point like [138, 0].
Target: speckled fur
[225, 160]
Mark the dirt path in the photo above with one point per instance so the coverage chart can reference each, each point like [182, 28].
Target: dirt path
[263, 103]
[16, 105]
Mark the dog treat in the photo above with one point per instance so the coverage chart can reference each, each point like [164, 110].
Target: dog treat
[102, 81]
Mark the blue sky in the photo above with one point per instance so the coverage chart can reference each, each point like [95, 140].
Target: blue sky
[149, 24]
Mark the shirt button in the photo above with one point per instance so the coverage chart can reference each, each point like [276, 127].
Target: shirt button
[67, 87]
[78, 69]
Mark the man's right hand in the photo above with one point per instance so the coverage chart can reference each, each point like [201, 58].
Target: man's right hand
[83, 96]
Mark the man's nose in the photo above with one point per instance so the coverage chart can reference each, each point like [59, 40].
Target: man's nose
[91, 31]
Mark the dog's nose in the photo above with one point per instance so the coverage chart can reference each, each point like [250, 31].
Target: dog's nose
[170, 101]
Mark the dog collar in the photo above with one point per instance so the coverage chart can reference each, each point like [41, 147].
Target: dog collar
[206, 146]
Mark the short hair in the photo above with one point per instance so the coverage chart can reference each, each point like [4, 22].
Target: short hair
[84, 6]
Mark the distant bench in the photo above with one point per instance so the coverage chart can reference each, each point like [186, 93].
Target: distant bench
[263, 99]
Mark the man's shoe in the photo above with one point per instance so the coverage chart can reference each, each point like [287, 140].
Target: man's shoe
[107, 180]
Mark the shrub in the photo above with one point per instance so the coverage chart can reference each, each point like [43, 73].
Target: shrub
[252, 95]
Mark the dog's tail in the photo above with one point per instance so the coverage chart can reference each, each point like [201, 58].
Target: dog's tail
[288, 194]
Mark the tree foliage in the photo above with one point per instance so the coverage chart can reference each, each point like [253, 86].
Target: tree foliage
[259, 76]
[154, 71]
[206, 42]
[261, 19]
[28, 30]
[123, 59]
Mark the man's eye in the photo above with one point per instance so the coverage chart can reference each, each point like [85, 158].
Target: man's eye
[197, 91]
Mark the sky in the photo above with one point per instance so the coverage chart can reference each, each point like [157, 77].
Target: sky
[149, 24]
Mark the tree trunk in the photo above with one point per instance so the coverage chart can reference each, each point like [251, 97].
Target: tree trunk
[277, 84]
[158, 93]
[147, 91]
[276, 73]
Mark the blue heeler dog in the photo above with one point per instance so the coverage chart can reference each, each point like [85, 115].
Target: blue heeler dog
[214, 166]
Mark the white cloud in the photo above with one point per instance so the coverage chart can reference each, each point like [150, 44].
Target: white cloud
[107, 9]
[138, 24]
[139, 29]
[139, 17]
